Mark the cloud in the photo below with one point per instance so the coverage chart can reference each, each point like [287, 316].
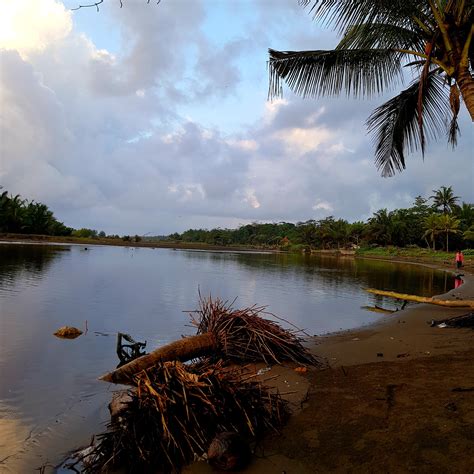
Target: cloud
[130, 140]
[301, 140]
[322, 205]
[28, 26]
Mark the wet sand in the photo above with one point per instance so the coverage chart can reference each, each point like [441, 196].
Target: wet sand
[395, 397]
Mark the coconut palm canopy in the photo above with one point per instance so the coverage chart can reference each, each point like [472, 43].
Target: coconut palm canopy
[432, 38]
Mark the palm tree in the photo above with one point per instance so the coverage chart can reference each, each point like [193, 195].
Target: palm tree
[465, 213]
[448, 225]
[444, 197]
[432, 37]
[469, 234]
[381, 227]
[432, 228]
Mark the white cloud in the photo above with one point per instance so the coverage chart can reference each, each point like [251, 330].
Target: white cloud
[272, 108]
[303, 140]
[28, 26]
[322, 205]
[251, 198]
[248, 145]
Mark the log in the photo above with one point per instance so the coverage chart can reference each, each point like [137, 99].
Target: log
[183, 350]
[423, 299]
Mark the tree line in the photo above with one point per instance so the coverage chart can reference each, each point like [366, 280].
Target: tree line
[21, 216]
[440, 221]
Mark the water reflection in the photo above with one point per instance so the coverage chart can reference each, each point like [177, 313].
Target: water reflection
[50, 399]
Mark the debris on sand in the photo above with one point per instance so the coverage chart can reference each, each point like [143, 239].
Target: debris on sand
[463, 321]
[177, 410]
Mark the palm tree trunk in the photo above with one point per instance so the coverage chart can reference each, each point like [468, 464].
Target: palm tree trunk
[184, 349]
[447, 237]
[466, 86]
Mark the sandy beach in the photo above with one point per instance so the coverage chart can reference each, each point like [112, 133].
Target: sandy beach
[394, 397]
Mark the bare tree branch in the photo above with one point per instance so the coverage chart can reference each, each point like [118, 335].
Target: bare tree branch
[99, 2]
[96, 4]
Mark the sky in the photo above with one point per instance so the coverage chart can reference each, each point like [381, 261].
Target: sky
[152, 119]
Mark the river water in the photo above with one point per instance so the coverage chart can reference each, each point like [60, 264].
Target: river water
[50, 399]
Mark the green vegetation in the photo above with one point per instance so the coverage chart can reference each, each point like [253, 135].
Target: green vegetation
[437, 222]
[20, 216]
[434, 39]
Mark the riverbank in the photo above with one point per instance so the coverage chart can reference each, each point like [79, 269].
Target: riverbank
[155, 244]
[395, 397]
[412, 255]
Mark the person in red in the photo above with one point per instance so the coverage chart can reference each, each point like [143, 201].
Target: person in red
[459, 259]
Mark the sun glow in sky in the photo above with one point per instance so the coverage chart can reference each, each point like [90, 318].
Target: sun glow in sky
[155, 118]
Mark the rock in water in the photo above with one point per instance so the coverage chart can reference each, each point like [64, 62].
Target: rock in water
[68, 332]
[228, 451]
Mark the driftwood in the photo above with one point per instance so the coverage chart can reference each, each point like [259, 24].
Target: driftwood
[423, 299]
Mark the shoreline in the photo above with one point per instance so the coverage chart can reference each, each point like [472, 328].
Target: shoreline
[408, 410]
[395, 396]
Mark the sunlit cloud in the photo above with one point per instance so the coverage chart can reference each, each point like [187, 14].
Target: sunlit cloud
[303, 140]
[321, 205]
[251, 198]
[31, 25]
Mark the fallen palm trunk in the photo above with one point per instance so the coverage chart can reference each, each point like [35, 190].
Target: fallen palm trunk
[177, 410]
[423, 299]
[237, 335]
[183, 350]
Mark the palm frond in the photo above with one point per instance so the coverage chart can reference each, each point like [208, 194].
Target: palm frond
[461, 10]
[344, 13]
[395, 123]
[316, 73]
[379, 35]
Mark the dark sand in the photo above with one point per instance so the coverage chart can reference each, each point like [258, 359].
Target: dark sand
[410, 410]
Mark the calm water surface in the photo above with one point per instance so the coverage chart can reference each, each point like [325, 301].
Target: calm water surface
[50, 399]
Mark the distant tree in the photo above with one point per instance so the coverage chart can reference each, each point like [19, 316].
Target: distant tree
[469, 234]
[101, 234]
[356, 231]
[465, 213]
[444, 198]
[380, 227]
[11, 212]
[308, 234]
[432, 228]
[38, 219]
[448, 225]
[85, 233]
